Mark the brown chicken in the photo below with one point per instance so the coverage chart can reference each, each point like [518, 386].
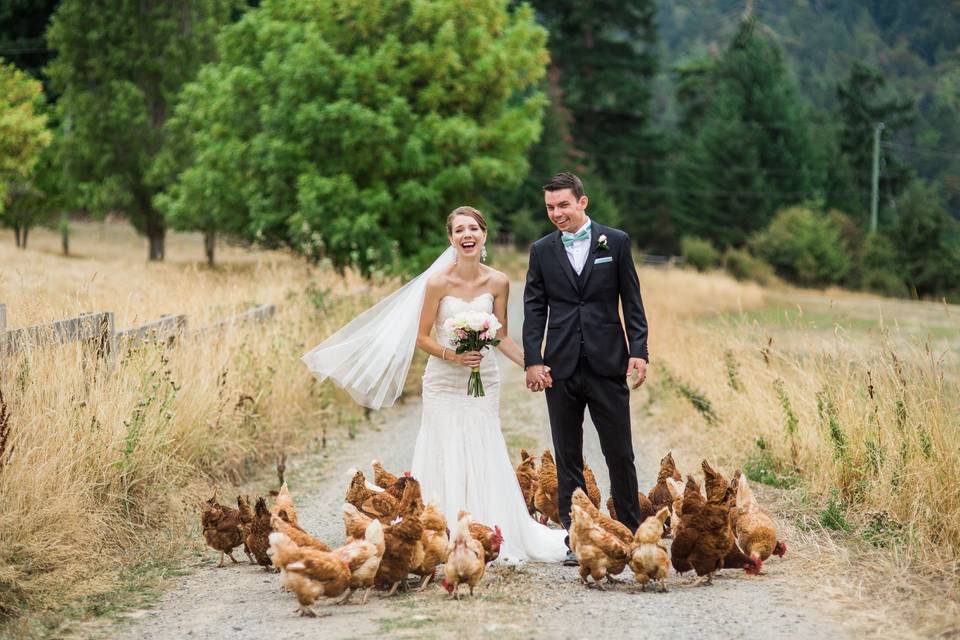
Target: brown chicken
[677, 491]
[545, 498]
[660, 495]
[284, 502]
[649, 560]
[381, 477]
[756, 532]
[465, 561]
[597, 551]
[404, 550]
[490, 538]
[354, 521]
[362, 557]
[705, 537]
[527, 477]
[646, 507]
[221, 528]
[609, 525]
[590, 481]
[296, 533]
[256, 533]
[435, 541]
[309, 573]
[376, 503]
[714, 483]
[247, 515]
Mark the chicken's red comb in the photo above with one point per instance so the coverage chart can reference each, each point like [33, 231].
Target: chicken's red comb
[407, 474]
[496, 528]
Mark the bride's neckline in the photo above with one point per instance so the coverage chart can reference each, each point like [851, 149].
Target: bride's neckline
[473, 299]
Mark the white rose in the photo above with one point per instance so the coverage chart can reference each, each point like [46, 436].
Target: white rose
[476, 320]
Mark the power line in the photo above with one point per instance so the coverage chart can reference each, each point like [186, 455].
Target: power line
[928, 150]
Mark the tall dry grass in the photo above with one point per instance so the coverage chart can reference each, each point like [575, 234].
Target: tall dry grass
[860, 417]
[103, 459]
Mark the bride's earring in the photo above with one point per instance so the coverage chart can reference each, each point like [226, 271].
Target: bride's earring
[483, 253]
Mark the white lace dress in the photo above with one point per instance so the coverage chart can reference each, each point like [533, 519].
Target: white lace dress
[461, 458]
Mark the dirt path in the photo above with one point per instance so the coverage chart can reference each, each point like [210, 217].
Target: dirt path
[242, 601]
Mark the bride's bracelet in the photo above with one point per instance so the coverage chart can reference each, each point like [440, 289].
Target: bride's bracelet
[443, 353]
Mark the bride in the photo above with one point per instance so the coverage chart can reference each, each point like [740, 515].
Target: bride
[460, 457]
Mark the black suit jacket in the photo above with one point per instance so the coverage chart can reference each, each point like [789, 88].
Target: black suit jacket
[581, 314]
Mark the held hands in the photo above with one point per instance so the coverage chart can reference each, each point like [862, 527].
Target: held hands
[538, 377]
[640, 366]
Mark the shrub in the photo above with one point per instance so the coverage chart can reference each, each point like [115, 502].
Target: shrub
[699, 253]
[805, 247]
[743, 266]
[880, 270]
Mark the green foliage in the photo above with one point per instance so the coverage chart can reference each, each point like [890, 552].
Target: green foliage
[348, 131]
[697, 398]
[880, 267]
[119, 67]
[864, 101]
[763, 468]
[23, 128]
[746, 145]
[733, 370]
[833, 516]
[603, 60]
[927, 242]
[699, 253]
[743, 266]
[805, 247]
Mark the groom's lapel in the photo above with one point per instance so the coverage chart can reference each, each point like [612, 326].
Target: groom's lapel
[588, 265]
[560, 253]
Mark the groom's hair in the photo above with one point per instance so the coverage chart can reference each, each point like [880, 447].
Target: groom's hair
[565, 180]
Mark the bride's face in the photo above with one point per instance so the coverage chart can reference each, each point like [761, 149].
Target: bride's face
[467, 236]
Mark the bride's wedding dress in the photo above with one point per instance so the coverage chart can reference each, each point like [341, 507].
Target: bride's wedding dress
[461, 458]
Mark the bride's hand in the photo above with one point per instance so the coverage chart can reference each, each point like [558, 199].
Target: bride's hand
[470, 359]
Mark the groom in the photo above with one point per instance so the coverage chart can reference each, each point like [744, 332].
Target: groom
[577, 278]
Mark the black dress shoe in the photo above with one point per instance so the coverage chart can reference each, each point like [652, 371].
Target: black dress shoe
[571, 560]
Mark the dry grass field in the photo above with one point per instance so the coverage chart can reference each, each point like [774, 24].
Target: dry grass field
[848, 403]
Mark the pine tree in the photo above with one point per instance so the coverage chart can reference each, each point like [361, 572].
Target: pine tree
[604, 55]
[865, 101]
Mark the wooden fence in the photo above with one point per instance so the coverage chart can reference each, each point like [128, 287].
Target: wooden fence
[97, 331]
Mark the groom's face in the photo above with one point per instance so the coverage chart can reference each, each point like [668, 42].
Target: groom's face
[566, 211]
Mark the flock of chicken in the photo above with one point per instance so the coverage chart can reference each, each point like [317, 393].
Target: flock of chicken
[391, 534]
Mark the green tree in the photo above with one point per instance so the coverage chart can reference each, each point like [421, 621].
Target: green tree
[118, 69]
[745, 146]
[603, 55]
[927, 241]
[805, 247]
[347, 130]
[23, 134]
[23, 25]
[864, 101]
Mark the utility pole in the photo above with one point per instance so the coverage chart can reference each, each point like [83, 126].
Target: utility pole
[875, 190]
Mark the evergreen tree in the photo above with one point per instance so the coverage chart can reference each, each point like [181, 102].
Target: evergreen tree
[863, 102]
[744, 139]
[348, 131]
[23, 26]
[604, 55]
[119, 67]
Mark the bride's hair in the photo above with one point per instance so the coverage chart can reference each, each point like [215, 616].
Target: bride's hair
[466, 211]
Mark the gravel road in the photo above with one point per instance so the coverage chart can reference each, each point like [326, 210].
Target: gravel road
[243, 601]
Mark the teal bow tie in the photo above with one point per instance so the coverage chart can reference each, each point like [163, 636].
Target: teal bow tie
[569, 238]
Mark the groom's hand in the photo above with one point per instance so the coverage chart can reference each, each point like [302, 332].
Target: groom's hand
[640, 366]
[538, 377]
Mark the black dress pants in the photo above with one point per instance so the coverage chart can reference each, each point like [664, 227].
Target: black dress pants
[608, 399]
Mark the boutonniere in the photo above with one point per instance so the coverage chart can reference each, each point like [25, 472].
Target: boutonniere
[602, 243]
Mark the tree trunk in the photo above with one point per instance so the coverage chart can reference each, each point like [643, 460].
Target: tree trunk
[65, 240]
[26, 229]
[156, 233]
[209, 243]
[16, 231]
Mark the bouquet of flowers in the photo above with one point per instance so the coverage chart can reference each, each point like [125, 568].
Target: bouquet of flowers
[473, 331]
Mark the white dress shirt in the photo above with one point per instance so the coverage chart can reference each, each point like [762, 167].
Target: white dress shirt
[579, 250]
